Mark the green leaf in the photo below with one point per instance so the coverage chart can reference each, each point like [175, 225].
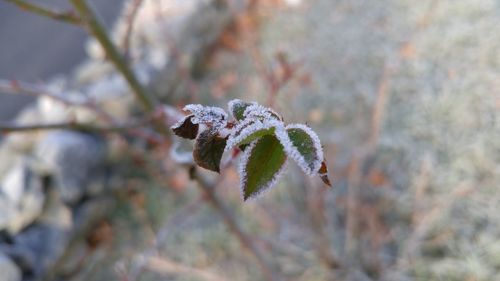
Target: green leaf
[262, 163]
[303, 145]
[208, 150]
[256, 135]
[237, 108]
[185, 128]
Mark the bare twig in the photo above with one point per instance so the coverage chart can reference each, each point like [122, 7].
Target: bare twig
[67, 17]
[19, 87]
[98, 31]
[317, 214]
[166, 266]
[245, 239]
[173, 220]
[130, 19]
[379, 107]
[9, 127]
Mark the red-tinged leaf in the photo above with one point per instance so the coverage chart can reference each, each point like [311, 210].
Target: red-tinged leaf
[261, 165]
[323, 173]
[208, 150]
[185, 128]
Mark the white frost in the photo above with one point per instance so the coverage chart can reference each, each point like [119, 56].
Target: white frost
[236, 102]
[292, 151]
[247, 127]
[243, 173]
[215, 116]
[259, 111]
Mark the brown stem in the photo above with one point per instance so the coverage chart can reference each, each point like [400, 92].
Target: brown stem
[19, 87]
[246, 240]
[98, 31]
[131, 16]
[9, 127]
[67, 17]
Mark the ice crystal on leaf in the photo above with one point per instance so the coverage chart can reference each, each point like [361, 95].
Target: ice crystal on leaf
[302, 145]
[261, 165]
[208, 115]
[246, 132]
[267, 142]
[260, 112]
[237, 108]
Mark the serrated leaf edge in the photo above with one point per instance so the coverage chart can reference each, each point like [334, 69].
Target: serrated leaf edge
[232, 103]
[294, 153]
[245, 129]
[243, 175]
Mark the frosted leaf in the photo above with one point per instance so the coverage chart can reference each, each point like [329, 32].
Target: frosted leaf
[209, 115]
[260, 112]
[208, 150]
[303, 145]
[262, 163]
[185, 128]
[237, 108]
[251, 129]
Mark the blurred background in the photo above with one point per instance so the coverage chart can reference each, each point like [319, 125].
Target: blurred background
[405, 96]
[36, 49]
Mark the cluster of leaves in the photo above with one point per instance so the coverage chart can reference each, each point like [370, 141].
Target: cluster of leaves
[266, 141]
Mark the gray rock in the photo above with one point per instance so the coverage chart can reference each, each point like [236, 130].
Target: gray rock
[21, 197]
[37, 248]
[8, 269]
[75, 160]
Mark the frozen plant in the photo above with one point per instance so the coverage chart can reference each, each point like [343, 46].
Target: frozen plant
[266, 141]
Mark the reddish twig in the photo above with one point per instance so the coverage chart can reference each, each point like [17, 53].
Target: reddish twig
[9, 127]
[67, 17]
[245, 239]
[130, 19]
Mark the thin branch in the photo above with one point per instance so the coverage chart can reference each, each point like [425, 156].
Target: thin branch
[67, 17]
[379, 107]
[175, 220]
[9, 127]
[130, 19]
[19, 87]
[98, 31]
[168, 267]
[245, 239]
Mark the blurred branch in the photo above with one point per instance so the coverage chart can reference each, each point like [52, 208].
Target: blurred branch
[317, 213]
[379, 107]
[18, 87]
[245, 239]
[176, 220]
[9, 127]
[130, 19]
[98, 31]
[67, 17]
[166, 266]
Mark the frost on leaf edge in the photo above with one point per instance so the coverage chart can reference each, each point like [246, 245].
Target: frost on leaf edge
[257, 110]
[247, 128]
[234, 102]
[243, 175]
[207, 115]
[294, 153]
